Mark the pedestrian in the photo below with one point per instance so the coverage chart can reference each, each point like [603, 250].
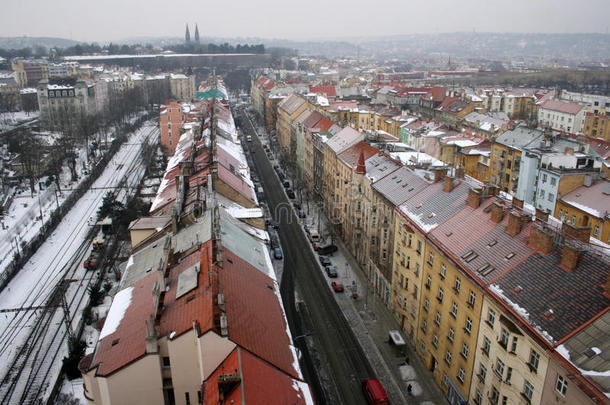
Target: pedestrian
[409, 389]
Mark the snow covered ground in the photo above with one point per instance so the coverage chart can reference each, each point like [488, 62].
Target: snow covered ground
[12, 119]
[55, 260]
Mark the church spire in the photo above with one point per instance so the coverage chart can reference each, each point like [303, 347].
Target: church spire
[196, 33]
[187, 35]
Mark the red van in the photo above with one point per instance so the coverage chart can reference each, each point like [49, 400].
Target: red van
[374, 392]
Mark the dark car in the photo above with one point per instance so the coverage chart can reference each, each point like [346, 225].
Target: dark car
[271, 223]
[324, 261]
[291, 194]
[281, 175]
[277, 253]
[337, 286]
[302, 214]
[331, 271]
[286, 184]
[327, 249]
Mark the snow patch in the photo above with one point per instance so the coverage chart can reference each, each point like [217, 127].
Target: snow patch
[117, 311]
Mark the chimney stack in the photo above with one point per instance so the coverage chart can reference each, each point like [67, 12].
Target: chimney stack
[474, 198]
[448, 184]
[582, 233]
[439, 174]
[541, 239]
[514, 223]
[569, 257]
[497, 212]
[517, 203]
[543, 216]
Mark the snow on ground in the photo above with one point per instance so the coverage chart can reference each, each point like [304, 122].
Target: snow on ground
[39, 276]
[72, 390]
[12, 119]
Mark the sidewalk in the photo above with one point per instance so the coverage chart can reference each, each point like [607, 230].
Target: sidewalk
[371, 320]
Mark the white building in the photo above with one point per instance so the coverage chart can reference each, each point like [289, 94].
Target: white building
[561, 116]
[59, 98]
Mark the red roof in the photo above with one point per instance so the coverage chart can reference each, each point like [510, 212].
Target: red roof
[260, 383]
[178, 314]
[323, 125]
[312, 119]
[255, 314]
[236, 182]
[129, 337]
[562, 106]
[351, 155]
[328, 91]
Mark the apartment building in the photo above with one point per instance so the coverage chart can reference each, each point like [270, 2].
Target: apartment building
[561, 116]
[60, 99]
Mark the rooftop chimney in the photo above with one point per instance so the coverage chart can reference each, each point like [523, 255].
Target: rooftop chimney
[517, 203]
[541, 215]
[497, 212]
[448, 184]
[361, 168]
[541, 239]
[514, 223]
[474, 198]
[569, 257]
[439, 174]
[582, 233]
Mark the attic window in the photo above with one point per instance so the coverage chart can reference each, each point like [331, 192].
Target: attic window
[148, 270]
[115, 342]
[470, 256]
[592, 351]
[394, 177]
[229, 260]
[189, 299]
[548, 314]
[492, 243]
[483, 268]
[411, 189]
[487, 271]
[449, 234]
[269, 286]
[517, 289]
[432, 215]
[509, 256]
[418, 206]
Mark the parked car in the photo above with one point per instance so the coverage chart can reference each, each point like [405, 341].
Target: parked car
[324, 261]
[277, 253]
[302, 214]
[286, 184]
[331, 271]
[291, 194]
[327, 250]
[337, 286]
[271, 223]
[374, 392]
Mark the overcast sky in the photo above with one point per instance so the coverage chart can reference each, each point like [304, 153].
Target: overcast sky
[106, 20]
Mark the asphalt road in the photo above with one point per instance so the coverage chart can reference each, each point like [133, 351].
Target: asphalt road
[322, 318]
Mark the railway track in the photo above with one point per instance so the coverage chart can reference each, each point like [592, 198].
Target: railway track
[33, 364]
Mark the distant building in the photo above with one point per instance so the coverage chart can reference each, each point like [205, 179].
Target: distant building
[561, 116]
[30, 72]
[60, 99]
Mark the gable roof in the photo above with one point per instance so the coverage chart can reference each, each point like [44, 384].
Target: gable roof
[351, 155]
[291, 103]
[400, 185]
[343, 139]
[562, 106]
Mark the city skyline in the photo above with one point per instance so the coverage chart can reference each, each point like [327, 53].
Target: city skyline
[270, 19]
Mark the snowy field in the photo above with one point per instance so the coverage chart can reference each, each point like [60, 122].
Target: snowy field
[59, 258]
[10, 120]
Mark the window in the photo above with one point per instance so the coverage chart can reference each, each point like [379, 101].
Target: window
[428, 282]
[422, 347]
[596, 232]
[431, 258]
[166, 362]
[491, 317]
[478, 399]
[440, 294]
[426, 304]
[435, 341]
[495, 395]
[468, 327]
[534, 360]
[418, 250]
[551, 197]
[451, 334]
[509, 374]
[513, 348]
[454, 310]
[472, 298]
[448, 357]
[187, 398]
[424, 326]
[528, 390]
[573, 219]
[461, 375]
[443, 271]
[553, 181]
[542, 194]
[438, 319]
[465, 351]
[504, 338]
[499, 368]
[561, 386]
[486, 345]
[457, 285]
[482, 372]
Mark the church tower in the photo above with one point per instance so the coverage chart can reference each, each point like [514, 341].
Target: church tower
[187, 35]
[196, 33]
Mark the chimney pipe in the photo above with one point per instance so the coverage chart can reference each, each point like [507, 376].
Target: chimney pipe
[541, 239]
[448, 185]
[569, 257]
[497, 212]
[474, 198]
[514, 223]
